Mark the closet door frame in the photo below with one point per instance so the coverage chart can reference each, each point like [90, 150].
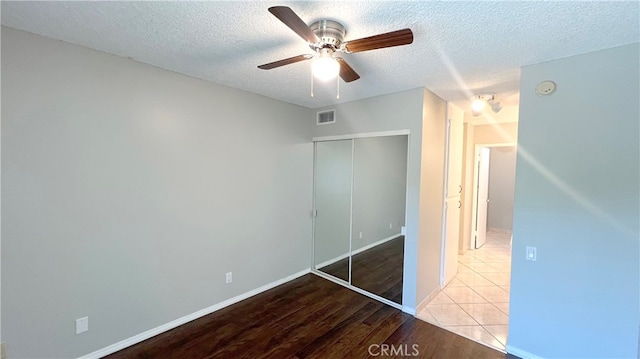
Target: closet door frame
[352, 137]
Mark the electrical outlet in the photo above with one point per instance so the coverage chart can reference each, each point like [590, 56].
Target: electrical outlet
[390, 225]
[229, 277]
[82, 325]
[360, 236]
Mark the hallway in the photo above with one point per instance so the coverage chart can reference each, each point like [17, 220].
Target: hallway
[475, 304]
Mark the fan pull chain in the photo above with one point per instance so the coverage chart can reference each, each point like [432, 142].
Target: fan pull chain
[338, 88]
[311, 83]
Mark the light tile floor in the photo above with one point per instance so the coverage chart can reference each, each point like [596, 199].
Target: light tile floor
[475, 304]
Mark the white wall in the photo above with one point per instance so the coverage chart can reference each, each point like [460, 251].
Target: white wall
[577, 200]
[432, 186]
[502, 179]
[128, 191]
[494, 134]
[379, 188]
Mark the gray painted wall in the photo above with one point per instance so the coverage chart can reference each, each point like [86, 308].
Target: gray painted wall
[379, 188]
[502, 179]
[577, 200]
[128, 191]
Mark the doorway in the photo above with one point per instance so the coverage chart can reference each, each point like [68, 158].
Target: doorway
[480, 196]
[493, 188]
[475, 303]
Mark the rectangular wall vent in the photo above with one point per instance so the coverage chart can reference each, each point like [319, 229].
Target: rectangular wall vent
[326, 117]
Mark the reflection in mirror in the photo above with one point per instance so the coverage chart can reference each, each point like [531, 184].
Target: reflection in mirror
[379, 197]
[333, 207]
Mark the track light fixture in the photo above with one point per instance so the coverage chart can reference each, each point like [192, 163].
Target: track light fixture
[480, 101]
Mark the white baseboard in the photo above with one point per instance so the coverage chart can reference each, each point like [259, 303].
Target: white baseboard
[332, 260]
[409, 310]
[521, 353]
[187, 318]
[499, 230]
[369, 246]
[359, 250]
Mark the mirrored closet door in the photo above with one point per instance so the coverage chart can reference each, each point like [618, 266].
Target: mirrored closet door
[360, 200]
[332, 224]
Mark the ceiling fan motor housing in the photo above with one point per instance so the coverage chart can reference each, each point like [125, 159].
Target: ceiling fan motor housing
[331, 34]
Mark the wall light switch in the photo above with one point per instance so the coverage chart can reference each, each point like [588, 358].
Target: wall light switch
[390, 225]
[82, 325]
[360, 236]
[532, 253]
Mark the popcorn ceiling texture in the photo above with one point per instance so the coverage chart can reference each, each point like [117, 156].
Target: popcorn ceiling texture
[459, 48]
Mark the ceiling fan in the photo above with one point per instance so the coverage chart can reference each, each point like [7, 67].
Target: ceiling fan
[326, 38]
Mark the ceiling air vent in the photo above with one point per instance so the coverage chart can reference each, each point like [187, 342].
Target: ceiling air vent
[326, 117]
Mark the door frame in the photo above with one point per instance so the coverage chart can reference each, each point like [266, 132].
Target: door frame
[474, 189]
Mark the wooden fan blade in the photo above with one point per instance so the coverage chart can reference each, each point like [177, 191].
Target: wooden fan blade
[389, 39]
[289, 18]
[290, 60]
[346, 72]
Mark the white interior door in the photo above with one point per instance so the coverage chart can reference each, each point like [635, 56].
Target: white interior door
[451, 234]
[451, 239]
[482, 197]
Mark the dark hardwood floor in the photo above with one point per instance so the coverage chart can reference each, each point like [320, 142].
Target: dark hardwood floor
[377, 270]
[339, 269]
[309, 317]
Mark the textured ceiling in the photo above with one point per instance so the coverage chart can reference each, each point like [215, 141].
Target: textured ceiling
[459, 47]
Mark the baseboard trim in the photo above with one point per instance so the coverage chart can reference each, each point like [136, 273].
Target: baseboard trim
[188, 318]
[499, 230]
[409, 310]
[521, 353]
[427, 299]
[374, 244]
[332, 260]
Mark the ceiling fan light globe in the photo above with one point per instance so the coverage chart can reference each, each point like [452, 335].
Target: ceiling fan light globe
[325, 68]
